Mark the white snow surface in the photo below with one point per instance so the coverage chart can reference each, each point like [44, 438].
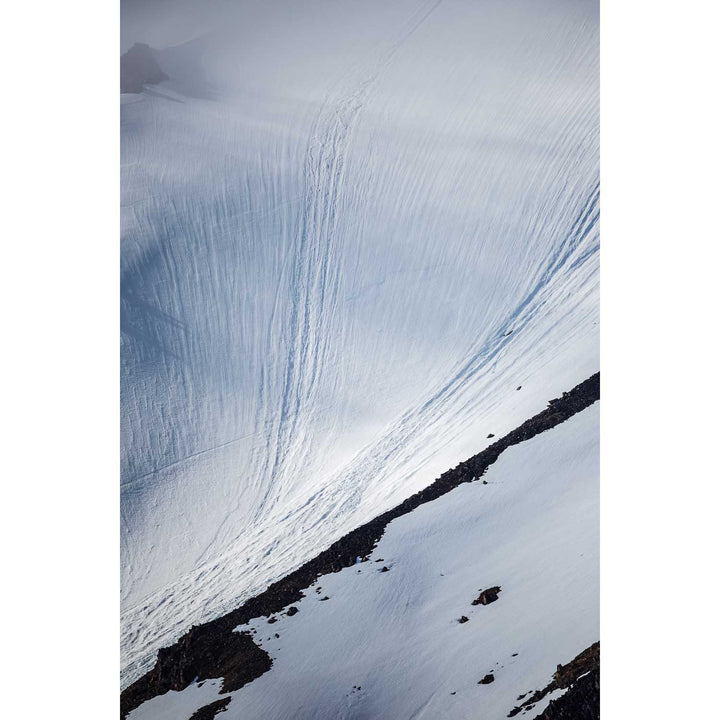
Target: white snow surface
[333, 215]
[533, 530]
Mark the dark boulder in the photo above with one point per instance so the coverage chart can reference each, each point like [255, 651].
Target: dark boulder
[487, 596]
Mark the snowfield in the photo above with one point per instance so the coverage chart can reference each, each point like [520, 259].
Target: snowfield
[350, 233]
[533, 530]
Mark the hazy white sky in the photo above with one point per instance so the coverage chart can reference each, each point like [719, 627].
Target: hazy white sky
[168, 22]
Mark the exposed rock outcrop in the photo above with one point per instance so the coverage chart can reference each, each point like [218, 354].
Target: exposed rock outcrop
[139, 67]
[208, 712]
[203, 652]
[580, 702]
[487, 596]
[581, 678]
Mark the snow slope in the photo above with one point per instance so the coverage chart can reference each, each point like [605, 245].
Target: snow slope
[333, 217]
[533, 530]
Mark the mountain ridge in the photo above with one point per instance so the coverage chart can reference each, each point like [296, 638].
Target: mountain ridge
[213, 650]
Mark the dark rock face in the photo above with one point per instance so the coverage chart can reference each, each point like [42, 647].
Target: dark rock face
[139, 67]
[487, 596]
[210, 711]
[213, 650]
[580, 702]
[587, 660]
[581, 678]
[487, 679]
[201, 653]
[463, 619]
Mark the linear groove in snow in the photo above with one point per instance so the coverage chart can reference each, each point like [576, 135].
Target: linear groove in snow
[325, 248]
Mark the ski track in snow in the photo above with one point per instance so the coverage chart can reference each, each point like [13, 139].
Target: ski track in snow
[333, 283]
[315, 279]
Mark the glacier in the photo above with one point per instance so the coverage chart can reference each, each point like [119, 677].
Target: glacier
[356, 239]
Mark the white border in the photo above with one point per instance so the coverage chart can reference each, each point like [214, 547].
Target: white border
[659, 159]
[59, 294]
[60, 400]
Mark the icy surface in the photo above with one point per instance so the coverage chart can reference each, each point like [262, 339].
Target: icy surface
[533, 530]
[333, 216]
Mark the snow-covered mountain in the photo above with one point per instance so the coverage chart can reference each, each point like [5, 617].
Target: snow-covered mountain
[390, 621]
[357, 238]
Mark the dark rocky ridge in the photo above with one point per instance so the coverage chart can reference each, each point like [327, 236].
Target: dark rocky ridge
[208, 712]
[581, 678]
[213, 650]
[580, 702]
